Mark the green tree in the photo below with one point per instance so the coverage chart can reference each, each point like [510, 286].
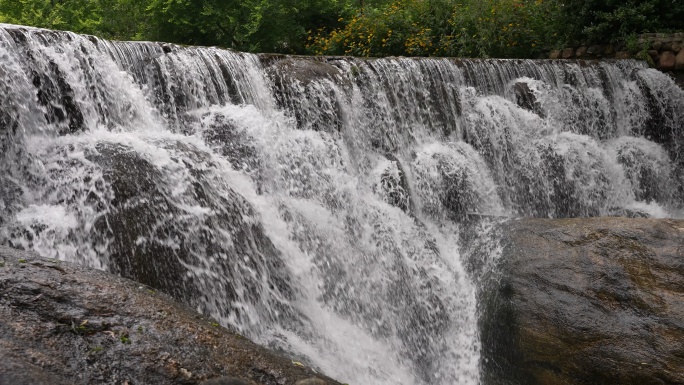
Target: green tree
[77, 15]
[465, 28]
[474, 28]
[250, 25]
[613, 20]
[115, 19]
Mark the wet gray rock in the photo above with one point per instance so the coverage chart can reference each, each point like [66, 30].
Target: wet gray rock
[149, 238]
[586, 301]
[65, 324]
[10, 194]
[311, 381]
[222, 133]
[301, 69]
[527, 99]
[394, 187]
[679, 77]
[226, 381]
[53, 91]
[312, 91]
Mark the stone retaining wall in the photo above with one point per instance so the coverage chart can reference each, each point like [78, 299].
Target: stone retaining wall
[665, 51]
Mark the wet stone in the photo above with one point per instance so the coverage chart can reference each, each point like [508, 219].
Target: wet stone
[62, 323]
[568, 53]
[654, 55]
[311, 381]
[595, 50]
[667, 61]
[679, 61]
[527, 99]
[149, 237]
[226, 381]
[581, 51]
[585, 301]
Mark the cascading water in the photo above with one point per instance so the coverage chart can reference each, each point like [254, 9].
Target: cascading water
[319, 205]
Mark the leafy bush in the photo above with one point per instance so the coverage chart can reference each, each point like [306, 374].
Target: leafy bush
[249, 25]
[487, 28]
[466, 28]
[614, 20]
[114, 19]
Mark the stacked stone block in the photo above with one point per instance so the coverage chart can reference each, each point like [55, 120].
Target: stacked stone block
[666, 50]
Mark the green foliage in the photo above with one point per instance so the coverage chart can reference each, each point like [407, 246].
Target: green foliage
[614, 20]
[80, 329]
[474, 28]
[639, 49]
[95, 350]
[116, 19]
[125, 339]
[249, 25]
[643, 55]
[502, 28]
[470, 28]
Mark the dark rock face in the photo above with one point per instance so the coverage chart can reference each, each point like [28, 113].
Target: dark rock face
[65, 324]
[52, 89]
[679, 61]
[526, 98]
[660, 127]
[658, 49]
[651, 179]
[236, 145]
[9, 194]
[394, 187]
[312, 91]
[302, 70]
[586, 301]
[667, 61]
[152, 241]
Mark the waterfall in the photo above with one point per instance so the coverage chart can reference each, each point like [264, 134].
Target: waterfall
[320, 206]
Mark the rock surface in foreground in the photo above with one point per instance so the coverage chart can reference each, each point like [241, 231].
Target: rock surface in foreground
[65, 324]
[587, 301]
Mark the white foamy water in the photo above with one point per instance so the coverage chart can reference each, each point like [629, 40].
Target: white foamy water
[319, 206]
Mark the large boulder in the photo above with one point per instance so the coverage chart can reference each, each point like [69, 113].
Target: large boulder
[679, 61]
[667, 61]
[586, 301]
[527, 98]
[153, 238]
[65, 324]
[312, 91]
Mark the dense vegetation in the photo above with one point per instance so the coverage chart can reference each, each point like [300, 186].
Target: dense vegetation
[474, 28]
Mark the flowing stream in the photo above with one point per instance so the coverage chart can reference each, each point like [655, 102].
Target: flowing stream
[320, 206]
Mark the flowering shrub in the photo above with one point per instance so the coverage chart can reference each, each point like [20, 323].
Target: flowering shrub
[471, 28]
[372, 31]
[465, 28]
